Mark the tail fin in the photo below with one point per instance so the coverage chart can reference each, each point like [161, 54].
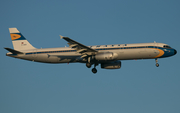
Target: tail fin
[19, 41]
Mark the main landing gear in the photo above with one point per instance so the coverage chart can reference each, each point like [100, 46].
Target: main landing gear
[94, 70]
[157, 65]
[88, 65]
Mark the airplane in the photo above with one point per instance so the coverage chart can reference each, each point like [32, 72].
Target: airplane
[108, 56]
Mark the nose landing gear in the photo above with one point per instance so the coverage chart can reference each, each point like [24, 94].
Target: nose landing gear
[157, 65]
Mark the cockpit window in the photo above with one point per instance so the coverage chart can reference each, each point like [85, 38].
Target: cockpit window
[166, 46]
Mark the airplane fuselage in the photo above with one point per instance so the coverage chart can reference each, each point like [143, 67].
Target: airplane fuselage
[122, 51]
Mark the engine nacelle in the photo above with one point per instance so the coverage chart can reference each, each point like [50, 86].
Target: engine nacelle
[106, 56]
[111, 65]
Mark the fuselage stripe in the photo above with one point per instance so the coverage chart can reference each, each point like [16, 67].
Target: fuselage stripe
[141, 47]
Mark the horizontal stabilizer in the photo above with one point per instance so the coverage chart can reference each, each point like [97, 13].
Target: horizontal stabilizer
[13, 51]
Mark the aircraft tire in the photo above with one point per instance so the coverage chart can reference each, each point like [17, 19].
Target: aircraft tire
[94, 70]
[157, 65]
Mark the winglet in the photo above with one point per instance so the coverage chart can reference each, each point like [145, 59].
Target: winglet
[61, 36]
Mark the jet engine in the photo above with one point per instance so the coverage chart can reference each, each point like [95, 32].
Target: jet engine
[111, 65]
[106, 56]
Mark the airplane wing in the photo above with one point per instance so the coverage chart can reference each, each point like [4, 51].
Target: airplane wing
[84, 50]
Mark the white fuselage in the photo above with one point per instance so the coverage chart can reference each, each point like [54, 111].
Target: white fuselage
[68, 55]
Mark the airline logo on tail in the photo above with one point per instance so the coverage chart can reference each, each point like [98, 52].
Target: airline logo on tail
[17, 36]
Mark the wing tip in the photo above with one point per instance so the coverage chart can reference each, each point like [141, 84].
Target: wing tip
[61, 36]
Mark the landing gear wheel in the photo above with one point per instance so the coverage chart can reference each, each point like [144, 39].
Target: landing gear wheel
[94, 70]
[88, 65]
[157, 65]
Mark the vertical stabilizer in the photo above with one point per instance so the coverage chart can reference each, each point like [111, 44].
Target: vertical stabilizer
[19, 41]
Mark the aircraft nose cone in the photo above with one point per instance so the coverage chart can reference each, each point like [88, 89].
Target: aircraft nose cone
[175, 52]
